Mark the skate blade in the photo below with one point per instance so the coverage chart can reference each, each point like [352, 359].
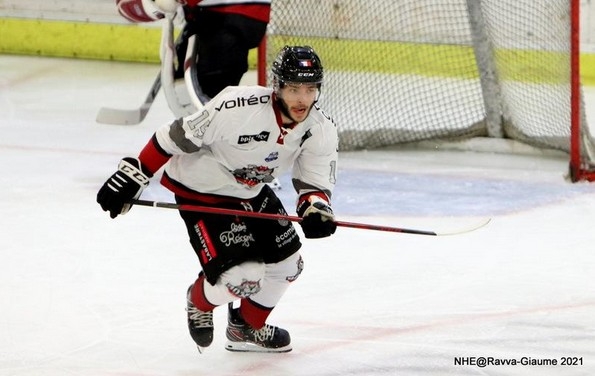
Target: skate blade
[200, 349]
[251, 347]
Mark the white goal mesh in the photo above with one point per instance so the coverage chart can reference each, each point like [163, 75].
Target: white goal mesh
[399, 71]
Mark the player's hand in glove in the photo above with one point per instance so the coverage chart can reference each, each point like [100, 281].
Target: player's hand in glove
[318, 217]
[125, 184]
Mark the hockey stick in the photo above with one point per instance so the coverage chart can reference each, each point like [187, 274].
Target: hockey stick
[241, 213]
[118, 116]
[164, 79]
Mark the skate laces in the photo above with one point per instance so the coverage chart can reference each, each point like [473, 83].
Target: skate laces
[264, 334]
[200, 319]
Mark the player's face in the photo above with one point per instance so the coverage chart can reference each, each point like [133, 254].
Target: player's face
[299, 99]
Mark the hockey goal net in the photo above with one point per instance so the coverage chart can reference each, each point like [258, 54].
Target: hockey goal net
[412, 70]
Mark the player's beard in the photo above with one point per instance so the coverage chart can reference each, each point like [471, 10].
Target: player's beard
[285, 110]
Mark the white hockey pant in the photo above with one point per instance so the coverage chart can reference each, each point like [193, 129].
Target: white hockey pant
[263, 283]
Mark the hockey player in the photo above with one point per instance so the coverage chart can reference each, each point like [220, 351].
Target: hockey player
[226, 31]
[222, 157]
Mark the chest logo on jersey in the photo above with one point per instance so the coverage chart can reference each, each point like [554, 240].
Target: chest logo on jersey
[262, 136]
[243, 101]
[253, 175]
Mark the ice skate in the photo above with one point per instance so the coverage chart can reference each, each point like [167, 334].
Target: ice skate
[200, 324]
[242, 337]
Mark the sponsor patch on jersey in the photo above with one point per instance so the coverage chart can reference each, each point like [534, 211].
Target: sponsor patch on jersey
[262, 136]
[242, 102]
[272, 157]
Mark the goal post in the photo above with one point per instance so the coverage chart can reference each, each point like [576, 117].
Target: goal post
[405, 71]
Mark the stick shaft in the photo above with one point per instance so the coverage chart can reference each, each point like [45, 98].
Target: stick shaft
[242, 213]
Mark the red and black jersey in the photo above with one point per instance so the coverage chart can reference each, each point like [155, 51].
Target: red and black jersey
[257, 9]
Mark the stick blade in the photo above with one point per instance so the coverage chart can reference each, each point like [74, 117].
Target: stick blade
[118, 116]
[463, 230]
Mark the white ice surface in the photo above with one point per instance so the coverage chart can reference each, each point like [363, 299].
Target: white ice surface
[82, 294]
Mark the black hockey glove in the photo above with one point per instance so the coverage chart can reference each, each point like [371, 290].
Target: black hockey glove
[125, 184]
[318, 217]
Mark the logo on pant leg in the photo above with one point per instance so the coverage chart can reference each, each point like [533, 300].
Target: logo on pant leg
[300, 267]
[245, 289]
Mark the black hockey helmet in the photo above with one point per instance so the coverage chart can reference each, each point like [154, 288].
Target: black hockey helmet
[297, 64]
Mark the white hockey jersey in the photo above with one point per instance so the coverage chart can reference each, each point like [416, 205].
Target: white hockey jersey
[238, 143]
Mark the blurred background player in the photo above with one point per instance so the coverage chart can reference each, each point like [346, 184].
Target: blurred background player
[226, 31]
[223, 156]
